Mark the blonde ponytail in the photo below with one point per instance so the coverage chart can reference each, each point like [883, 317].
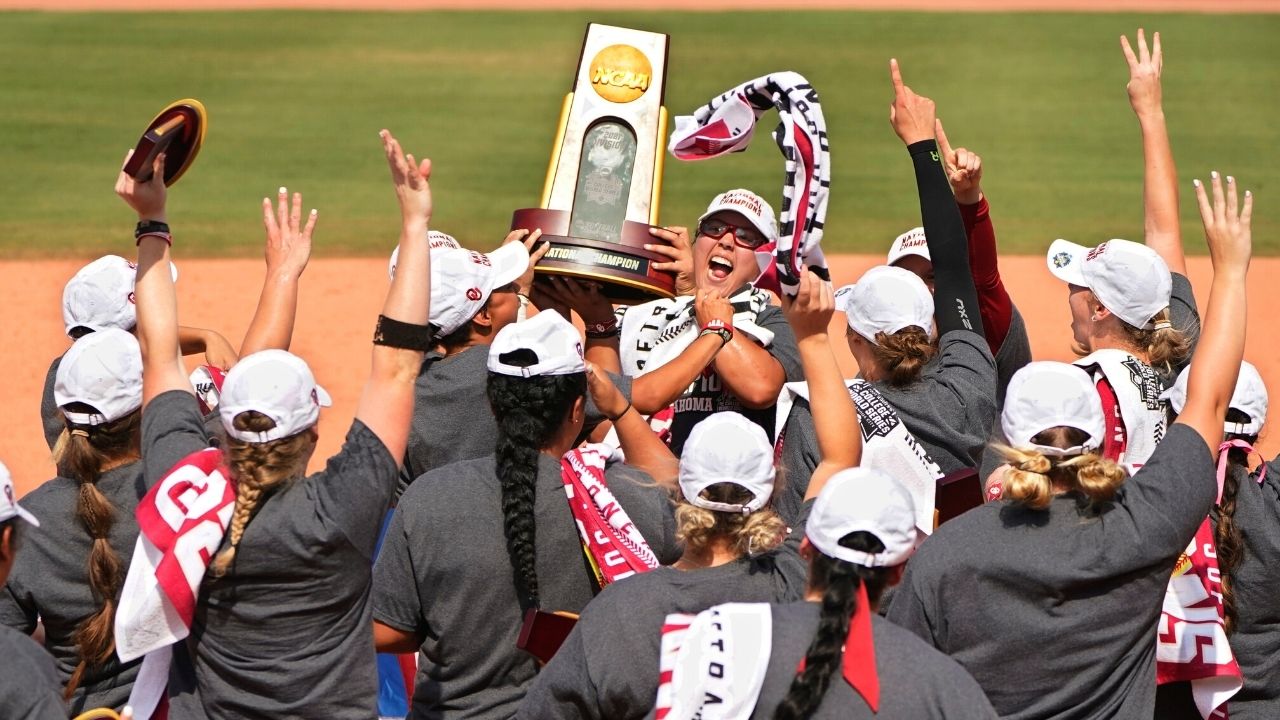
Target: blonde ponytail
[750, 534]
[1033, 478]
[1165, 346]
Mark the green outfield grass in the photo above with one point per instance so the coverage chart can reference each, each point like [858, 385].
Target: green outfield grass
[297, 98]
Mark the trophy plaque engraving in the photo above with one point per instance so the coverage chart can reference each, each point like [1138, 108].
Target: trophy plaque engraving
[603, 183]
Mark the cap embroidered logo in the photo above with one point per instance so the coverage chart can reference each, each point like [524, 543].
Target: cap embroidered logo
[1061, 260]
[473, 294]
[1094, 253]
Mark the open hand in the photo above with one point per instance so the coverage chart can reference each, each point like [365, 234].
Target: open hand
[910, 114]
[677, 246]
[410, 179]
[582, 296]
[1144, 73]
[1226, 224]
[809, 312]
[964, 169]
[288, 241]
[146, 198]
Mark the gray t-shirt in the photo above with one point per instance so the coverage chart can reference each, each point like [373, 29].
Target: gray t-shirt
[951, 407]
[287, 632]
[1256, 578]
[916, 681]
[50, 417]
[50, 579]
[708, 394]
[451, 416]
[444, 574]
[1054, 611]
[29, 686]
[608, 666]
[1013, 355]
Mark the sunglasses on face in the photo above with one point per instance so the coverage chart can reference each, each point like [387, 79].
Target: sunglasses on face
[743, 236]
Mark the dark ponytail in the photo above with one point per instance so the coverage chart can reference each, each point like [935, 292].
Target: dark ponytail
[82, 452]
[1227, 537]
[529, 412]
[839, 581]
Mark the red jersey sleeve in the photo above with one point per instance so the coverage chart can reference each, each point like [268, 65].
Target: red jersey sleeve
[994, 303]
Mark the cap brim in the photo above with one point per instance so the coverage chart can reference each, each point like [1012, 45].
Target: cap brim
[178, 132]
[844, 297]
[1066, 261]
[509, 262]
[322, 397]
[26, 515]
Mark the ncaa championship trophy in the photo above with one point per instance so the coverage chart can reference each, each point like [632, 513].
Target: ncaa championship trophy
[605, 176]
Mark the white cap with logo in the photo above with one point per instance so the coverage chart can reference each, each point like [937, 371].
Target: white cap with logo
[462, 281]
[911, 242]
[9, 507]
[749, 205]
[1128, 278]
[885, 300]
[275, 383]
[1046, 394]
[545, 344]
[1249, 397]
[100, 295]
[863, 500]
[727, 448]
[436, 241]
[103, 370]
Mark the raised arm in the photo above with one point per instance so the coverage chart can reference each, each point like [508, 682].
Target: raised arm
[641, 445]
[217, 350]
[386, 405]
[964, 172]
[956, 299]
[1213, 374]
[1159, 176]
[154, 295]
[835, 419]
[288, 248]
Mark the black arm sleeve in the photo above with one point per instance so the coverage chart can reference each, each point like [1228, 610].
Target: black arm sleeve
[955, 297]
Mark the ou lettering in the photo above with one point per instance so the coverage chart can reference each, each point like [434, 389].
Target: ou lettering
[189, 493]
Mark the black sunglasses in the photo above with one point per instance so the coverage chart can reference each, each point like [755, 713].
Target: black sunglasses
[743, 235]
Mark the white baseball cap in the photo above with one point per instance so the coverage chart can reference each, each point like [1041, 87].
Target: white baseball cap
[911, 242]
[727, 448]
[1045, 395]
[100, 295]
[277, 384]
[103, 370]
[1249, 397]
[553, 342]
[886, 299]
[1128, 278]
[749, 205]
[436, 241]
[462, 281]
[9, 507]
[863, 500]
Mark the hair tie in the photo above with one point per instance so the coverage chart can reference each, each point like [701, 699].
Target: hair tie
[80, 432]
[1162, 325]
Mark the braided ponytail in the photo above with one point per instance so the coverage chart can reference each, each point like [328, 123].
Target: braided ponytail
[839, 581]
[904, 354]
[1227, 537]
[529, 412]
[256, 468]
[84, 452]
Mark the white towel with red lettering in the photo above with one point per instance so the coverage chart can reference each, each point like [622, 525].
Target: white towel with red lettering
[181, 523]
[727, 124]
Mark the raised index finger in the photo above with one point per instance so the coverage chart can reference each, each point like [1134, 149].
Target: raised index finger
[943, 144]
[896, 74]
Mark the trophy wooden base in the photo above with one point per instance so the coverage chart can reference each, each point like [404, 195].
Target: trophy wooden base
[624, 269]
